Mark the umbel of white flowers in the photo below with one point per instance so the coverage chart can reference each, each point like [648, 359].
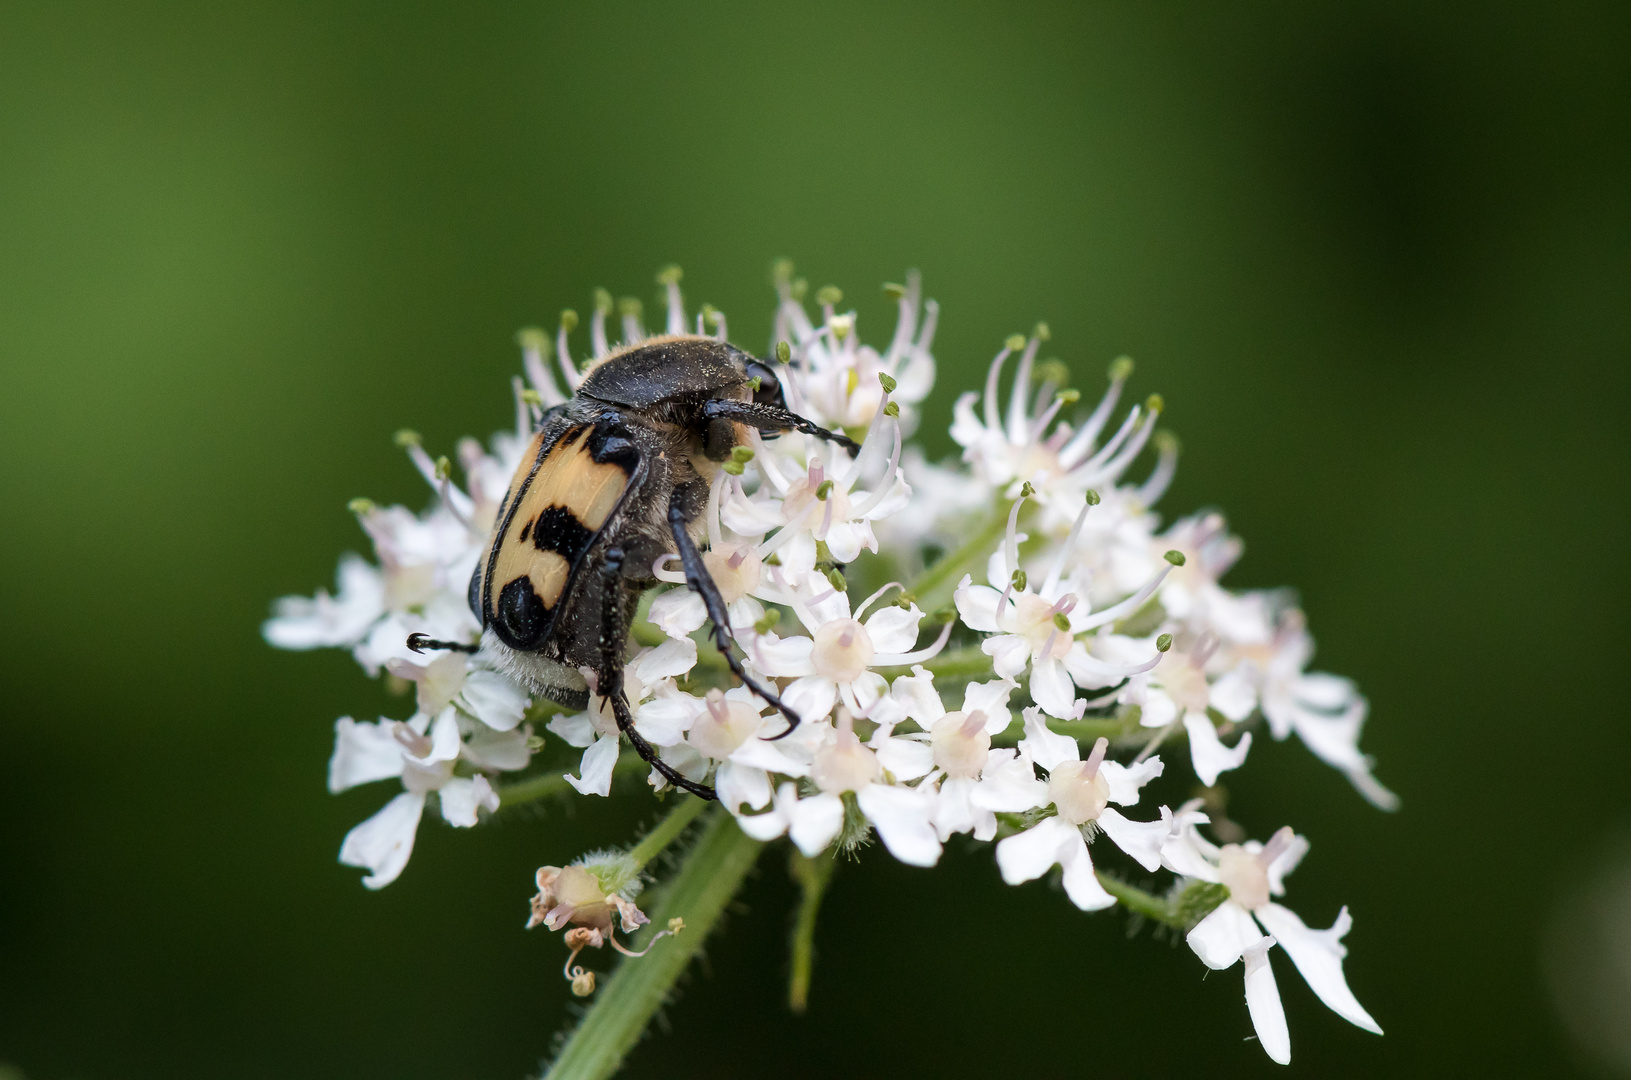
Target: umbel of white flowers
[1108, 634]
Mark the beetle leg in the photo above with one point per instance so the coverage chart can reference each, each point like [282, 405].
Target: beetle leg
[772, 418]
[614, 636]
[420, 642]
[702, 583]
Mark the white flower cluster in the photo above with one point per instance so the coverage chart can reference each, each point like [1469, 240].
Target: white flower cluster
[1107, 634]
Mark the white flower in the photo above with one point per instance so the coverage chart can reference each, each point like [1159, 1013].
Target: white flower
[731, 732]
[660, 713]
[1254, 873]
[835, 662]
[902, 815]
[957, 745]
[811, 823]
[326, 621]
[1179, 692]
[1038, 628]
[1080, 793]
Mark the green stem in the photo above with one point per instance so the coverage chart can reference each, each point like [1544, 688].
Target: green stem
[709, 876]
[965, 663]
[668, 830]
[934, 586]
[812, 876]
[1137, 900]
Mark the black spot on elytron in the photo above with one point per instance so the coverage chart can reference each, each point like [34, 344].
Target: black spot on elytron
[610, 444]
[473, 597]
[526, 526]
[521, 617]
[558, 529]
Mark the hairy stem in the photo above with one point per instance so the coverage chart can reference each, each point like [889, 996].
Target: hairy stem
[933, 587]
[668, 830]
[1140, 902]
[812, 876]
[709, 876]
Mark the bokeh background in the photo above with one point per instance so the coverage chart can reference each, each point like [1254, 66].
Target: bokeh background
[1375, 256]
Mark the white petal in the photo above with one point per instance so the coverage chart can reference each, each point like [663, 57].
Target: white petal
[798, 554]
[1051, 688]
[1318, 955]
[343, 619]
[1233, 695]
[760, 753]
[1008, 785]
[506, 750]
[669, 660]
[1047, 747]
[917, 697]
[1081, 883]
[845, 539]
[953, 813]
[1028, 855]
[894, 629]
[990, 698]
[444, 736]
[677, 612]
[494, 699]
[782, 657]
[362, 753]
[1009, 654]
[1285, 863]
[738, 784]
[596, 767]
[977, 604]
[1157, 710]
[381, 845]
[1140, 839]
[1125, 780]
[1181, 855]
[901, 816]
[1263, 1003]
[812, 697]
[1207, 751]
[1221, 937]
[906, 759]
[577, 729]
[814, 822]
[462, 797]
[663, 720]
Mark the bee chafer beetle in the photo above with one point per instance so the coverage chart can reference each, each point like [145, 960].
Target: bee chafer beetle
[613, 480]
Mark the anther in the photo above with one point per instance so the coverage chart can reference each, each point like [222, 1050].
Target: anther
[1092, 497]
[741, 453]
[781, 271]
[1015, 342]
[1176, 558]
[603, 301]
[1163, 643]
[887, 382]
[768, 620]
[784, 351]
[829, 294]
[836, 578]
[1041, 333]
[735, 468]
[1120, 368]
[569, 320]
[1062, 621]
[670, 275]
[1026, 490]
[531, 337]
[444, 468]
[797, 288]
[362, 506]
[630, 307]
[891, 408]
[1018, 580]
[1068, 397]
[823, 489]
[406, 437]
[893, 291]
[532, 397]
[1155, 403]
[583, 983]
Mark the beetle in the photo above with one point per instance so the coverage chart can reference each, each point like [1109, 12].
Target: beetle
[613, 480]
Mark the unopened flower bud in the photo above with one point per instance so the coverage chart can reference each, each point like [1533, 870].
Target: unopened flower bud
[676, 924]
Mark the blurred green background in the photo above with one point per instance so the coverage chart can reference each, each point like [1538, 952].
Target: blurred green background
[1375, 256]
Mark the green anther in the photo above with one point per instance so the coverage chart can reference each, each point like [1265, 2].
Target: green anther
[742, 453]
[943, 616]
[1166, 442]
[630, 305]
[531, 337]
[770, 618]
[603, 301]
[1062, 621]
[444, 468]
[1026, 490]
[784, 352]
[754, 384]
[1018, 579]
[1092, 497]
[670, 275]
[361, 506]
[893, 291]
[532, 397]
[798, 288]
[569, 320]
[1052, 370]
[535, 742]
[1015, 342]
[1176, 558]
[823, 489]
[1163, 643]
[891, 408]
[712, 315]
[837, 579]
[1155, 403]
[735, 468]
[887, 382]
[1120, 368]
[829, 294]
[1042, 333]
[406, 437]
[781, 271]
[1068, 397]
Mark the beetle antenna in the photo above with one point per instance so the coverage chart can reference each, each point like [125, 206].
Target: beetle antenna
[420, 642]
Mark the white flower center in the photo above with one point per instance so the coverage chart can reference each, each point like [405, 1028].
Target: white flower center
[1185, 684]
[735, 569]
[1033, 619]
[844, 764]
[842, 650]
[960, 743]
[1245, 875]
[723, 726]
[801, 493]
[409, 587]
[1079, 791]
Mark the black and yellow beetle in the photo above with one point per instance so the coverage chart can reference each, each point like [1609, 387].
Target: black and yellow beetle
[613, 480]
